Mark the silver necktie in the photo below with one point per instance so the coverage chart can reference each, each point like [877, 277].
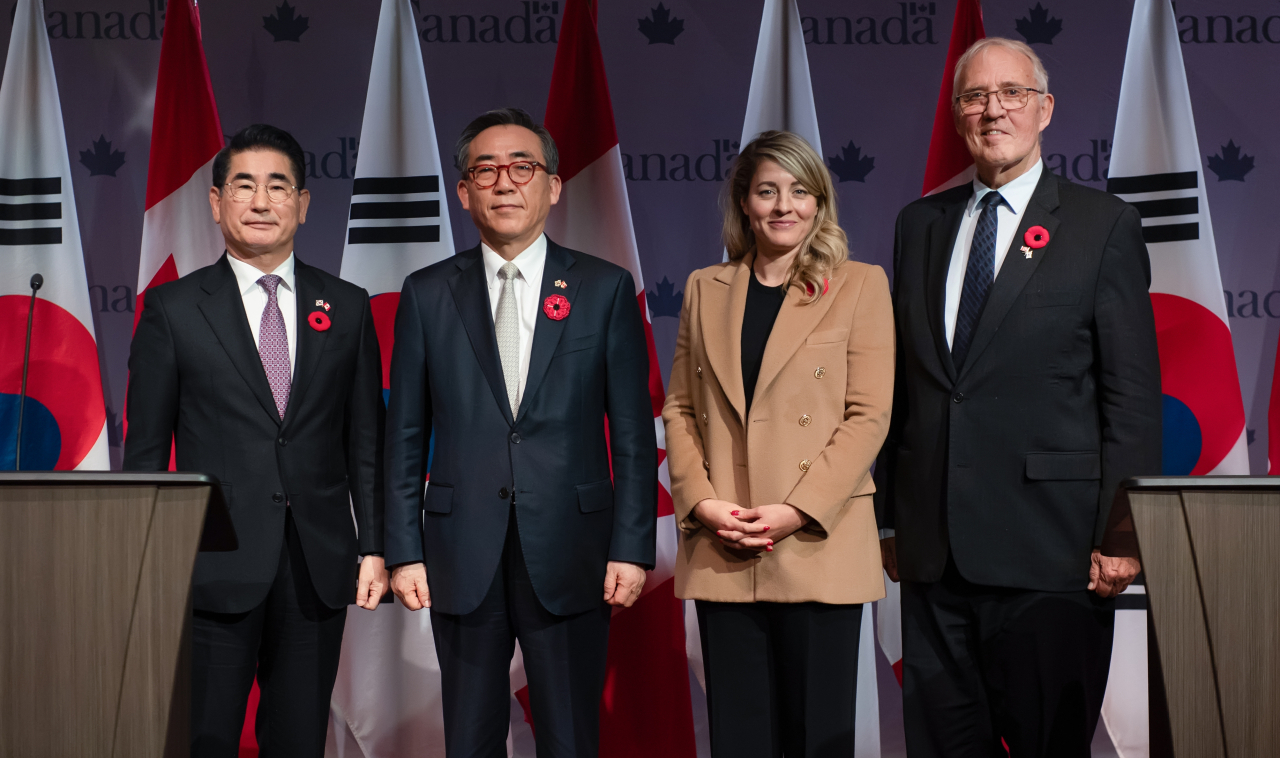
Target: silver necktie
[507, 325]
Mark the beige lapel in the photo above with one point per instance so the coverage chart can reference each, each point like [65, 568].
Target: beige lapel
[723, 303]
[795, 322]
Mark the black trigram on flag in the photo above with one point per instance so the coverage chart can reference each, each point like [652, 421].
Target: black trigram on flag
[1177, 197]
[31, 211]
[394, 209]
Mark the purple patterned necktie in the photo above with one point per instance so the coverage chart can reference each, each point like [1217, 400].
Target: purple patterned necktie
[273, 345]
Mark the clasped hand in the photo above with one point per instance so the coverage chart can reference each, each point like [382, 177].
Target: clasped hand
[752, 529]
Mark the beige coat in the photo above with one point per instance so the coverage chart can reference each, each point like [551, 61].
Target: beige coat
[818, 418]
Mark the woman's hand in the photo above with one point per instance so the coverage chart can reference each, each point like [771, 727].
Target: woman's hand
[779, 520]
[721, 517]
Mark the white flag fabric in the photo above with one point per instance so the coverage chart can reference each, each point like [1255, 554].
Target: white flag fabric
[386, 701]
[781, 97]
[64, 418]
[1156, 166]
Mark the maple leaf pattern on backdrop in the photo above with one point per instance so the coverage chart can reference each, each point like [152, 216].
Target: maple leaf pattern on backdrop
[661, 27]
[286, 25]
[102, 160]
[1039, 27]
[664, 300]
[851, 165]
[1231, 165]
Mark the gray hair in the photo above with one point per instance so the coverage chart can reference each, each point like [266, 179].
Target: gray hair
[506, 117]
[1041, 75]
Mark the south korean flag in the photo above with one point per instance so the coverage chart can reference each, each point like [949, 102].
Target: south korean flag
[399, 219]
[387, 697]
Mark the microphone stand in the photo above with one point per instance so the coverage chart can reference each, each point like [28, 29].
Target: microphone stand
[37, 282]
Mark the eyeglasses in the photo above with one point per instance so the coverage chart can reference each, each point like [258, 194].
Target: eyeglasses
[1011, 99]
[277, 192]
[521, 172]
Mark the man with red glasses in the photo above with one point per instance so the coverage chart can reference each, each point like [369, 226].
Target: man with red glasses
[515, 354]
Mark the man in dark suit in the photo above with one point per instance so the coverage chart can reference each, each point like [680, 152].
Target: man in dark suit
[265, 373]
[519, 355]
[1028, 388]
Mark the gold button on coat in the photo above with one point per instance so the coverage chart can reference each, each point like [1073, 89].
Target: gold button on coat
[820, 372]
[706, 465]
[805, 420]
[704, 418]
[804, 465]
[699, 371]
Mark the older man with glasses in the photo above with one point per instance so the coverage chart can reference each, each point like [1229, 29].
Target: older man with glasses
[1028, 388]
[265, 372]
[528, 364]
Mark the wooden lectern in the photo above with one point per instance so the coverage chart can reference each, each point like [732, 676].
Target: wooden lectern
[1211, 555]
[95, 598]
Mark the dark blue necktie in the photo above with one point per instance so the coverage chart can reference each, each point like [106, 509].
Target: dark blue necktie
[978, 275]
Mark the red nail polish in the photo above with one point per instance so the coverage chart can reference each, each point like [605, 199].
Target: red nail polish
[771, 543]
[766, 528]
[733, 513]
[768, 550]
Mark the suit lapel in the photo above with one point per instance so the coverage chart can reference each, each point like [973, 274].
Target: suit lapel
[1017, 268]
[723, 304]
[942, 243]
[224, 310]
[546, 335]
[471, 296]
[796, 320]
[309, 287]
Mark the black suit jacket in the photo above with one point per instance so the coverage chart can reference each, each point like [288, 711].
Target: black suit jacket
[446, 378]
[196, 378]
[1011, 461]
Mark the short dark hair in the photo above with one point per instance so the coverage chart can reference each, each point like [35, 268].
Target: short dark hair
[261, 137]
[506, 117]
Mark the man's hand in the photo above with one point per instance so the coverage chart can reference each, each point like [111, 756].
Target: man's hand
[622, 583]
[1110, 576]
[721, 517]
[409, 582]
[779, 520]
[373, 581]
[889, 557]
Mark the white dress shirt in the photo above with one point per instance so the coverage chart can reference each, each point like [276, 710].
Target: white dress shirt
[1017, 194]
[528, 291]
[255, 300]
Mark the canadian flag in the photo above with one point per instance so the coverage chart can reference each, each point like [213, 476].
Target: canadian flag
[178, 233]
[645, 710]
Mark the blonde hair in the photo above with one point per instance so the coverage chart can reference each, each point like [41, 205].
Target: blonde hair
[826, 247]
[1037, 66]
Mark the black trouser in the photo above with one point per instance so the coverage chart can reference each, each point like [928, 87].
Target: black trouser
[984, 664]
[782, 678]
[292, 641]
[564, 659]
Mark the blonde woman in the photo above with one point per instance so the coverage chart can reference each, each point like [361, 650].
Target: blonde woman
[780, 396]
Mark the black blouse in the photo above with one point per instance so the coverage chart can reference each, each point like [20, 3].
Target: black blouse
[763, 304]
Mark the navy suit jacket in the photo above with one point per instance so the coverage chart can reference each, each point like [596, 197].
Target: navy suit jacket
[588, 377]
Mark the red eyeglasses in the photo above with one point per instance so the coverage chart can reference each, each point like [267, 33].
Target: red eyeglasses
[485, 175]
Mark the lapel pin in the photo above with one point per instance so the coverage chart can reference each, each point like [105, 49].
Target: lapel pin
[556, 307]
[1036, 238]
[562, 284]
[322, 304]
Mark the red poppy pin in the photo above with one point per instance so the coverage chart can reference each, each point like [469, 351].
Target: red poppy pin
[319, 321]
[826, 285]
[556, 307]
[1036, 238]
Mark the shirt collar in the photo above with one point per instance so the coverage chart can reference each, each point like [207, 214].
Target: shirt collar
[247, 276]
[529, 261]
[1017, 193]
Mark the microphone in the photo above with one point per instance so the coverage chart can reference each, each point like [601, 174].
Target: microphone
[37, 281]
